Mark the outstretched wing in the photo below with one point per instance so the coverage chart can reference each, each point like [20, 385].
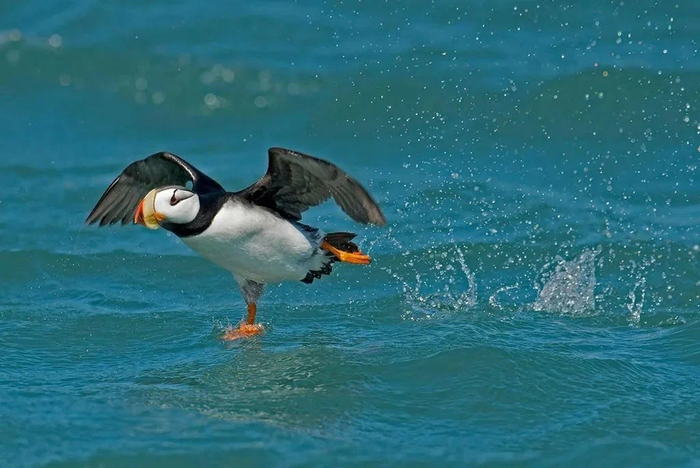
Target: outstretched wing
[120, 200]
[295, 181]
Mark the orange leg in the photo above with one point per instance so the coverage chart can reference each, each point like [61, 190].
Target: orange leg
[252, 310]
[246, 329]
[357, 258]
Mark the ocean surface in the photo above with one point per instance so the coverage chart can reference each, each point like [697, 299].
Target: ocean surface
[534, 300]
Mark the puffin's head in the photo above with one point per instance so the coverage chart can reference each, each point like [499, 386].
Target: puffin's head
[175, 205]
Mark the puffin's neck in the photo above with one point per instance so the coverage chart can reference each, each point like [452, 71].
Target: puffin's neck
[209, 206]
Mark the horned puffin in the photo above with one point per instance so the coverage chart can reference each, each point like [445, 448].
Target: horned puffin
[255, 233]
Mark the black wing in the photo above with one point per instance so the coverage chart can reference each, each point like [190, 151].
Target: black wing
[121, 199]
[295, 181]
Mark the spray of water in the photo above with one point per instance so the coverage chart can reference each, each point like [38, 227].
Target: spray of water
[448, 286]
[570, 287]
[636, 297]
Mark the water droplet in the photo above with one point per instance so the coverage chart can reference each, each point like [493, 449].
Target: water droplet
[228, 75]
[55, 40]
[211, 100]
[208, 77]
[158, 98]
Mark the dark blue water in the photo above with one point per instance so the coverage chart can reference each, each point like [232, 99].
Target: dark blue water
[533, 302]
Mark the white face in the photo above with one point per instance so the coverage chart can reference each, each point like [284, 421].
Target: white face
[177, 205]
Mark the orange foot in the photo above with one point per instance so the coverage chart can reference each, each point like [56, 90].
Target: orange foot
[358, 258]
[245, 330]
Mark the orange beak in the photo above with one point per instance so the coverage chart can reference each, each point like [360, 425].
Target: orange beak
[146, 214]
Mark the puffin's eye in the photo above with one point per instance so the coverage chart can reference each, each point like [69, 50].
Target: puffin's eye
[174, 201]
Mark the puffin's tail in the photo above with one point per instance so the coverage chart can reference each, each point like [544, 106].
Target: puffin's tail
[339, 248]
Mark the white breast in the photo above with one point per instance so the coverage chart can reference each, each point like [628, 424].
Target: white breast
[253, 243]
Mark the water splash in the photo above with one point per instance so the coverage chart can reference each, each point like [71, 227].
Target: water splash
[496, 302]
[448, 286]
[570, 288]
[636, 297]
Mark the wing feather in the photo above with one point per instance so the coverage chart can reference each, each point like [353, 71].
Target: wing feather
[294, 182]
[120, 200]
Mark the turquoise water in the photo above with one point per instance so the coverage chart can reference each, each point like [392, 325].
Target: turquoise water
[534, 300]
